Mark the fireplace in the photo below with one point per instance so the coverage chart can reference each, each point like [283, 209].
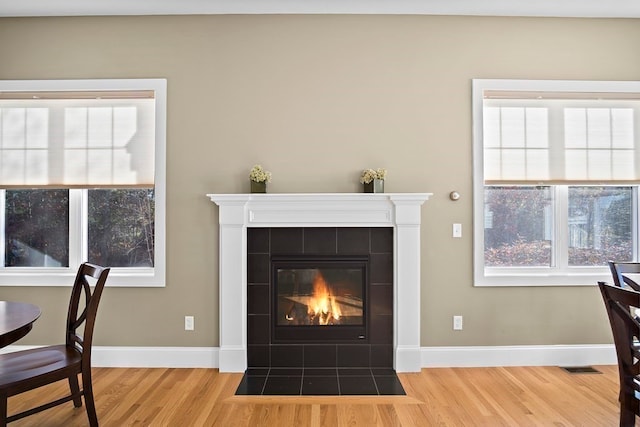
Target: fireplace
[319, 299]
[393, 274]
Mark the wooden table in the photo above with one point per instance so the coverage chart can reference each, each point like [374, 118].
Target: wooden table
[16, 320]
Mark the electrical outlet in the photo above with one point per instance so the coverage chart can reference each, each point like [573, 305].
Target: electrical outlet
[188, 323]
[457, 323]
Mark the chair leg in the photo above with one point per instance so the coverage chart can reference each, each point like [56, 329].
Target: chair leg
[75, 390]
[628, 410]
[627, 417]
[88, 398]
[3, 411]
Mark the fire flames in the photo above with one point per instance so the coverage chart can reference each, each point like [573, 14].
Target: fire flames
[309, 299]
[322, 307]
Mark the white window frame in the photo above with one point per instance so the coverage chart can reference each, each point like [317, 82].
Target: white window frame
[119, 276]
[536, 276]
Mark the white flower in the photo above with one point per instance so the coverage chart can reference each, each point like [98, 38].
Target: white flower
[258, 174]
[369, 175]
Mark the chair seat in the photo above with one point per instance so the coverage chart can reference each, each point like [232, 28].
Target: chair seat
[37, 365]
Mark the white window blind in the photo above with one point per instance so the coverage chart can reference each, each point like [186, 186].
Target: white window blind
[543, 138]
[70, 139]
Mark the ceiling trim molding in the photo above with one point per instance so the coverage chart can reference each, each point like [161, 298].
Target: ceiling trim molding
[537, 8]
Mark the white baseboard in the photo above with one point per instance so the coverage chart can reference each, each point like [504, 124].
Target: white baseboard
[155, 357]
[145, 357]
[431, 357]
[527, 355]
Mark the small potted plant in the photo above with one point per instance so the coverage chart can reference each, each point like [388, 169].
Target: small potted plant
[259, 178]
[373, 180]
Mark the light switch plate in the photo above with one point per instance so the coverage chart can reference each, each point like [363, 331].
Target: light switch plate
[457, 230]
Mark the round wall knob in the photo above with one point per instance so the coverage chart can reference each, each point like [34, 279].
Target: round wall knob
[454, 195]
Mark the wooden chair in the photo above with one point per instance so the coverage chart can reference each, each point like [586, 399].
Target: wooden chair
[26, 370]
[621, 271]
[621, 304]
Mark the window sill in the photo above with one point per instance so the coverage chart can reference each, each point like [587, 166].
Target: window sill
[541, 279]
[47, 277]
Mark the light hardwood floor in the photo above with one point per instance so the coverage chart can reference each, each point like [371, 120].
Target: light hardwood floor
[507, 396]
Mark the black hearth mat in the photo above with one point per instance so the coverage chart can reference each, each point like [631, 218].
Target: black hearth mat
[320, 382]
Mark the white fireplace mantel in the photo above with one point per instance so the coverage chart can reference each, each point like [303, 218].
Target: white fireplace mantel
[398, 210]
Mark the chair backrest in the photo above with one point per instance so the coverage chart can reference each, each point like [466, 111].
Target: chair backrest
[621, 271]
[621, 304]
[83, 307]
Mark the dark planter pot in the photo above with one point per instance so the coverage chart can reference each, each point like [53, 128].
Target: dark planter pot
[375, 186]
[259, 187]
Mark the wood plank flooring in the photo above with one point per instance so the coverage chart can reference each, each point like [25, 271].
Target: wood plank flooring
[506, 396]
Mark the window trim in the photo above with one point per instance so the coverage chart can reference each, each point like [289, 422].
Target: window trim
[515, 277]
[118, 277]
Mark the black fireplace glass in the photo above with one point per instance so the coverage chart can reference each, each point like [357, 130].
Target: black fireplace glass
[323, 298]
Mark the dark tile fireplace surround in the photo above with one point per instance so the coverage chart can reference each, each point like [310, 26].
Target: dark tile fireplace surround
[320, 367]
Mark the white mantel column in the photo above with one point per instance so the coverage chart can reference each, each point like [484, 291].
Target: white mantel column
[233, 287]
[406, 290]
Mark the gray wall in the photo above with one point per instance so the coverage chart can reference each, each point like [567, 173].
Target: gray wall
[316, 99]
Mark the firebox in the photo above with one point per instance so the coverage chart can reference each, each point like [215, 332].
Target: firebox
[319, 299]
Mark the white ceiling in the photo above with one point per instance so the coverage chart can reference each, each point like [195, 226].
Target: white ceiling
[552, 8]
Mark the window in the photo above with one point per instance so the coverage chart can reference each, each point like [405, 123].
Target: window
[556, 173]
[82, 166]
